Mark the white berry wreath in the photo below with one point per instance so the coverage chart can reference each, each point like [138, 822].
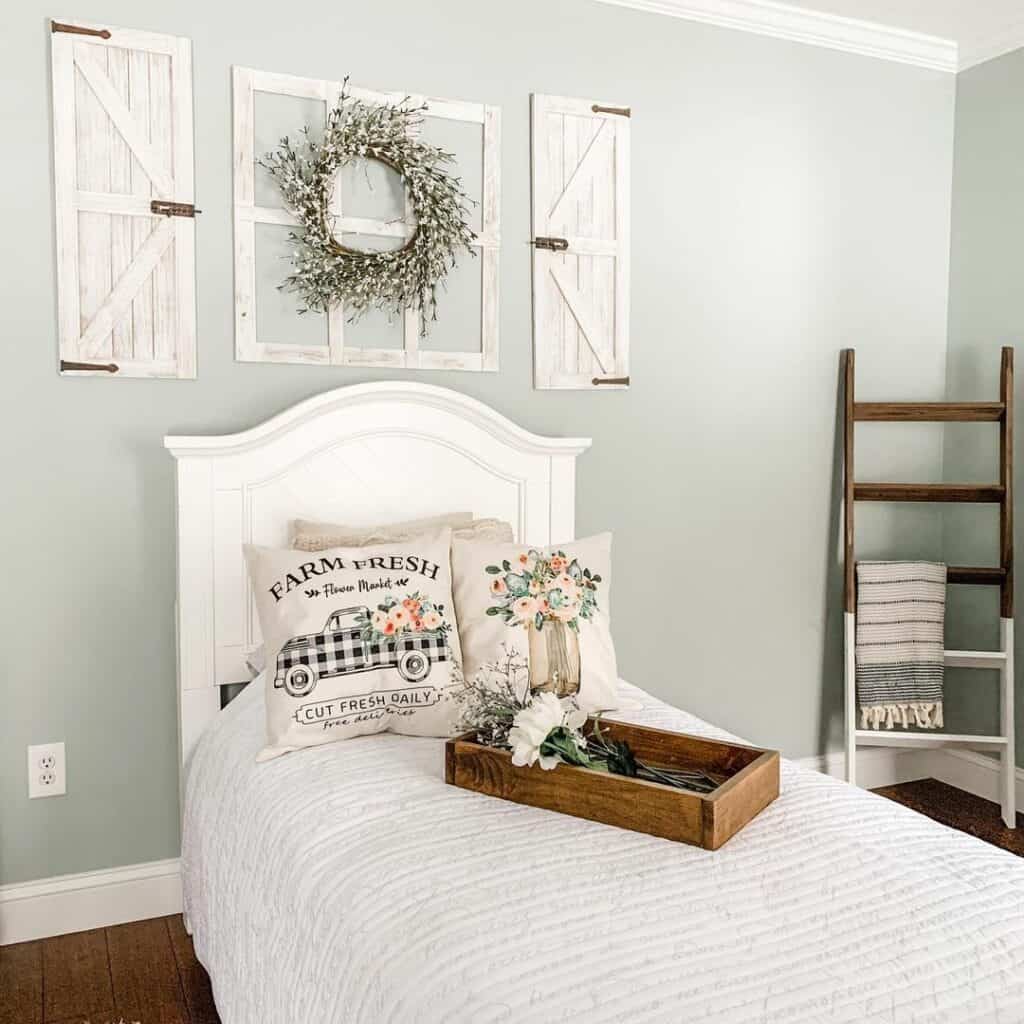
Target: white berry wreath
[326, 272]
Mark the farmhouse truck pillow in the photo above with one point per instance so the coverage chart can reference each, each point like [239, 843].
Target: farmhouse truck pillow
[358, 640]
[548, 606]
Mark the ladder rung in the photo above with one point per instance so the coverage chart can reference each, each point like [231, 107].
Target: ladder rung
[928, 412]
[980, 575]
[885, 738]
[974, 659]
[928, 492]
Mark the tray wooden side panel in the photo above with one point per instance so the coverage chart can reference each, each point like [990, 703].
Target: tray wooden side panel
[674, 749]
[740, 799]
[609, 799]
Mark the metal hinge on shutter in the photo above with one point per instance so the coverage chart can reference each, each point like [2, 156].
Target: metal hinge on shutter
[104, 367]
[169, 209]
[59, 26]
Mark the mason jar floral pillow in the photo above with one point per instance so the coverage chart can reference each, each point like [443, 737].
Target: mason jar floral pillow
[550, 606]
[358, 640]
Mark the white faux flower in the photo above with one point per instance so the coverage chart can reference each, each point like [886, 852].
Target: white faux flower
[532, 726]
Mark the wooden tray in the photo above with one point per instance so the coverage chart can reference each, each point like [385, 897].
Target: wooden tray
[749, 782]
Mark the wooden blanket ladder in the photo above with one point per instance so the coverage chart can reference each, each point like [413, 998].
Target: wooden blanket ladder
[1001, 576]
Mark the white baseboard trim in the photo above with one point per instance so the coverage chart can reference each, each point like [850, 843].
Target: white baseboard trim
[876, 766]
[888, 766]
[973, 772]
[93, 899]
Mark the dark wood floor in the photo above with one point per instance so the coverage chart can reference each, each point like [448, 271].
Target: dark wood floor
[144, 972]
[960, 810]
[147, 972]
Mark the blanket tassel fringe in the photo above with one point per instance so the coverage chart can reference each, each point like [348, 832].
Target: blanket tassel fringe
[922, 714]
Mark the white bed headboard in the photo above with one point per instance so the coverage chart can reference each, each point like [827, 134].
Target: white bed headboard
[361, 454]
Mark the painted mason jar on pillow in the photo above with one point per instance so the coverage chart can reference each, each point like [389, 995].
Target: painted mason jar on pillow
[550, 605]
[547, 595]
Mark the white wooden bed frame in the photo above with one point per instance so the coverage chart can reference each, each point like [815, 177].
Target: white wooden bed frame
[368, 453]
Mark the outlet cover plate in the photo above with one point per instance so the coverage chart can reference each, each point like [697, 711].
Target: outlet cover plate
[47, 770]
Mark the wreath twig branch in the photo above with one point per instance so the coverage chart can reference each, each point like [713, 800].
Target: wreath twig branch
[325, 271]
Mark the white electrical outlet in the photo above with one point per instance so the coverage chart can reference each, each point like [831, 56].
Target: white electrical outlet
[47, 770]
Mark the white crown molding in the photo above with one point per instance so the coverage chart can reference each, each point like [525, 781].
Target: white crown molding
[93, 899]
[798, 24]
[978, 51]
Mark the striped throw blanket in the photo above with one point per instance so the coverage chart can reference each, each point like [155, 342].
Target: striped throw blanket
[900, 642]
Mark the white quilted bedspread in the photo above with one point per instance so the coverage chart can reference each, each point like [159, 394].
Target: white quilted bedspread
[348, 884]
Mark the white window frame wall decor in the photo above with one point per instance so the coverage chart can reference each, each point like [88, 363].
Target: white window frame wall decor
[124, 192]
[580, 172]
[248, 346]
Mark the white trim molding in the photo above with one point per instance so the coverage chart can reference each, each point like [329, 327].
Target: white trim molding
[876, 766]
[92, 899]
[816, 28]
[972, 772]
[969, 770]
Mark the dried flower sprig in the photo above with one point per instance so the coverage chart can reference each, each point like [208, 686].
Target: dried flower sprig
[327, 272]
[494, 696]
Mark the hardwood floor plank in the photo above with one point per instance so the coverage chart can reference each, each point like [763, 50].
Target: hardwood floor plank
[964, 811]
[144, 973]
[181, 942]
[76, 978]
[107, 1017]
[120, 1017]
[194, 980]
[21, 983]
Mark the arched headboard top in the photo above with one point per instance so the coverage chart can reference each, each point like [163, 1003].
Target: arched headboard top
[368, 453]
[393, 393]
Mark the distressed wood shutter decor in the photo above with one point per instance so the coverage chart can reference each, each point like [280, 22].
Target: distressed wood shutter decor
[581, 243]
[253, 344]
[124, 193]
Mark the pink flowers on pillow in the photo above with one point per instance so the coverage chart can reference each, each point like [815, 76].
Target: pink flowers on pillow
[548, 605]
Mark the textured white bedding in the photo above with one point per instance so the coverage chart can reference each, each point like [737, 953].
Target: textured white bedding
[348, 883]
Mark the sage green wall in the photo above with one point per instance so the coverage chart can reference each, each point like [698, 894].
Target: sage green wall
[787, 201]
[986, 311]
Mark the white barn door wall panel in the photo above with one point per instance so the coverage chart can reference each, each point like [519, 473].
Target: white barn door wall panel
[122, 123]
[250, 343]
[580, 156]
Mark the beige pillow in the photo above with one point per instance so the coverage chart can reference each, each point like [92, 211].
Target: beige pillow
[550, 605]
[358, 640]
[309, 535]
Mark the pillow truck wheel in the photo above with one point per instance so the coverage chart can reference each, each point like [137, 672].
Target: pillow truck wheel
[299, 680]
[413, 666]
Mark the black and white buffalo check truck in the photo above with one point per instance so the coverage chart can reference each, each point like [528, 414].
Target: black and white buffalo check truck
[342, 650]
